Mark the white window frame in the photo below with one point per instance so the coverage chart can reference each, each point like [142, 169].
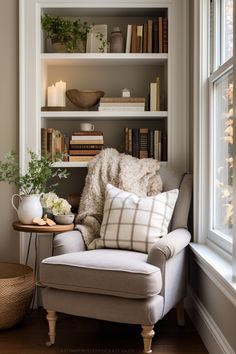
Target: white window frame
[201, 126]
[223, 241]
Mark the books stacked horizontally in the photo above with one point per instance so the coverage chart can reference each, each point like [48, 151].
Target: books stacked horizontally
[53, 142]
[84, 145]
[144, 143]
[122, 104]
[150, 37]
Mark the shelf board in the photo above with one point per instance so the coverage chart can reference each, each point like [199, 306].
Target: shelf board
[65, 164]
[105, 115]
[104, 58]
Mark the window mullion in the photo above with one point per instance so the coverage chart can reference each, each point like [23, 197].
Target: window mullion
[234, 147]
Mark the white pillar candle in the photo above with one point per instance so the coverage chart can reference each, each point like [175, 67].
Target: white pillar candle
[52, 96]
[61, 93]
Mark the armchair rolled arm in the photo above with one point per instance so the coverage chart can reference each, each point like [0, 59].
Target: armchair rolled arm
[168, 246]
[67, 242]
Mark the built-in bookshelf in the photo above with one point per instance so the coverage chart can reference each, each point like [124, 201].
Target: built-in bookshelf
[110, 72]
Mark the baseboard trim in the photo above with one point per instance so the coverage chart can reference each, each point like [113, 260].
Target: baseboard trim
[210, 333]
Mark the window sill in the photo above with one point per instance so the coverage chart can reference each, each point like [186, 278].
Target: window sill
[217, 268]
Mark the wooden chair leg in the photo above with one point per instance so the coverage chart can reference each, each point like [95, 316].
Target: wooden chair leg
[180, 313]
[147, 334]
[52, 318]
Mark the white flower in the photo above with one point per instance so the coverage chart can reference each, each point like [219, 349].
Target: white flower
[60, 207]
[48, 199]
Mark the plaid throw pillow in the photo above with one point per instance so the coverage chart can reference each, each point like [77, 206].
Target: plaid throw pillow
[132, 222]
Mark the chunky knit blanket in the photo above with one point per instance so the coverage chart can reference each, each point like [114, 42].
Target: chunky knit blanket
[139, 176]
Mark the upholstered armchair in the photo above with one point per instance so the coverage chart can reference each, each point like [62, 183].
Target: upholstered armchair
[121, 285]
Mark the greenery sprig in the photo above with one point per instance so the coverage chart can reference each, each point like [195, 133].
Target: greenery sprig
[35, 180]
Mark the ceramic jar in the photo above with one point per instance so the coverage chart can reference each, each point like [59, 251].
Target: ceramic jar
[116, 41]
[29, 207]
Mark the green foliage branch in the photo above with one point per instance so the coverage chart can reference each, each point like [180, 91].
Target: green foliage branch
[35, 180]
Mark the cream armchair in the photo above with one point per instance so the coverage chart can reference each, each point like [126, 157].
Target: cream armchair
[120, 285]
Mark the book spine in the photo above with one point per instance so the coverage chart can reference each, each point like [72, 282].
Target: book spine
[79, 142]
[145, 37]
[130, 150]
[150, 143]
[80, 158]
[44, 143]
[134, 39]
[84, 152]
[160, 20]
[86, 146]
[84, 133]
[49, 142]
[135, 142]
[165, 35]
[143, 144]
[87, 137]
[126, 139]
[139, 45]
[122, 100]
[153, 96]
[164, 147]
[128, 39]
[121, 108]
[158, 94]
[149, 36]
[155, 38]
[122, 104]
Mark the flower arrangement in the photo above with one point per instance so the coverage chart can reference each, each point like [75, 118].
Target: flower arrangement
[58, 206]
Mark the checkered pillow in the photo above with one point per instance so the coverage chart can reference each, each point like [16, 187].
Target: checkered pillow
[132, 222]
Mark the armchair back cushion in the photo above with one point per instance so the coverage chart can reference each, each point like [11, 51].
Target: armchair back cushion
[132, 222]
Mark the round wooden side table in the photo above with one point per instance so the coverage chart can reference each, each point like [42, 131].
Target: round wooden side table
[37, 230]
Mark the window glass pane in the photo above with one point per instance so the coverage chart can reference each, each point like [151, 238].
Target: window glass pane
[223, 155]
[227, 40]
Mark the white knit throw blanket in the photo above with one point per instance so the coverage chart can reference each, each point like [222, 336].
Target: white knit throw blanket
[139, 176]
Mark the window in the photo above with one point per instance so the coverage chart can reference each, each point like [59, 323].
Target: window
[221, 124]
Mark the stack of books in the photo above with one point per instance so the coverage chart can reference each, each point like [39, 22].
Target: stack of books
[84, 145]
[150, 37]
[53, 142]
[122, 104]
[144, 143]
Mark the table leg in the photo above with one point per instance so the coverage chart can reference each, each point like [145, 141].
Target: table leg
[29, 243]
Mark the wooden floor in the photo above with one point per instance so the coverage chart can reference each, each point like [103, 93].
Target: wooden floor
[82, 335]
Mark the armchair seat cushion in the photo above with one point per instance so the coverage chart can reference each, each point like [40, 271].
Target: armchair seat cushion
[103, 271]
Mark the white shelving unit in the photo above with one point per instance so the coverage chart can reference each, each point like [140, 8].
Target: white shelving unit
[107, 71]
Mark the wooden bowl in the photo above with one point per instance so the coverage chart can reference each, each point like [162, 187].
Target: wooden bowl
[84, 99]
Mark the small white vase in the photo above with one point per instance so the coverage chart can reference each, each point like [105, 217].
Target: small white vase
[29, 207]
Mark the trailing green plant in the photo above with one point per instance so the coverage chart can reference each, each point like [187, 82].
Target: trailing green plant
[65, 31]
[35, 180]
[103, 42]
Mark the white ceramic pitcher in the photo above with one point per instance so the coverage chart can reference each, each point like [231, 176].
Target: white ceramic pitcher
[29, 207]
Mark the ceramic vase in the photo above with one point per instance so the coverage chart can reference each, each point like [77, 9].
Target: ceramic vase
[29, 207]
[116, 41]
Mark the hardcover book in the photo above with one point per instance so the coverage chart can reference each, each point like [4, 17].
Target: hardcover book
[128, 39]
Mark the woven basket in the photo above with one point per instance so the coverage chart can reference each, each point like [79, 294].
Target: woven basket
[16, 289]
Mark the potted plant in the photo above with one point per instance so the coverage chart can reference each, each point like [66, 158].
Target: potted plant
[31, 184]
[66, 35]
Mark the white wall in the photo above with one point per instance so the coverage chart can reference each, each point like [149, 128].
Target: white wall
[9, 240]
